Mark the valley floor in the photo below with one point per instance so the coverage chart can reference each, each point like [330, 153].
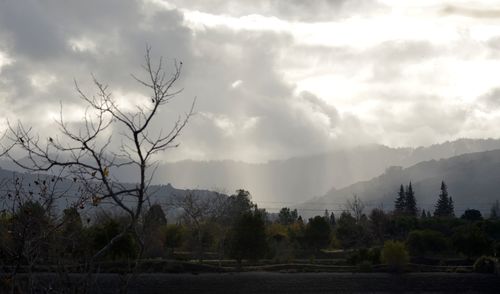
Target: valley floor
[264, 282]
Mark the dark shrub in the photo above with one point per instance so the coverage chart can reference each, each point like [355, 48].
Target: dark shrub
[472, 215]
[420, 242]
[361, 255]
[101, 234]
[318, 233]
[365, 266]
[471, 241]
[485, 264]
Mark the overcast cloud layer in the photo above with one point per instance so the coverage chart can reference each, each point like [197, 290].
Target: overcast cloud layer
[273, 78]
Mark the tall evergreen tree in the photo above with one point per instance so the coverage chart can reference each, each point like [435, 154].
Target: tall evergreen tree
[451, 207]
[400, 203]
[332, 219]
[444, 205]
[423, 214]
[495, 210]
[410, 202]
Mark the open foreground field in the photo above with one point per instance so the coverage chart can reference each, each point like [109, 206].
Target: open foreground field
[264, 282]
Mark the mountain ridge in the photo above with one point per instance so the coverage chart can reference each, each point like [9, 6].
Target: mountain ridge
[473, 181]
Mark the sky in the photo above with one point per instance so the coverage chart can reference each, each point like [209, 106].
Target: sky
[273, 79]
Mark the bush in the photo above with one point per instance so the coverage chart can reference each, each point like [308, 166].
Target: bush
[399, 226]
[365, 266]
[317, 233]
[485, 264]
[472, 215]
[172, 236]
[471, 241]
[395, 255]
[496, 249]
[359, 256]
[101, 234]
[420, 242]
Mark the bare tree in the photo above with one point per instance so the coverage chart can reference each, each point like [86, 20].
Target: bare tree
[356, 206]
[86, 153]
[197, 210]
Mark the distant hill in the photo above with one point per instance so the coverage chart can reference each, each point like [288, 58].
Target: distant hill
[289, 182]
[473, 181]
[285, 182]
[69, 190]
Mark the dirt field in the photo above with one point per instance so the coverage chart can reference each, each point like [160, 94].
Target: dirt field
[261, 282]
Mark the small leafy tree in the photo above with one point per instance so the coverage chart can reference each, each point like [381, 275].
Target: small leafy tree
[318, 233]
[287, 216]
[379, 221]
[399, 226]
[248, 237]
[472, 215]
[352, 234]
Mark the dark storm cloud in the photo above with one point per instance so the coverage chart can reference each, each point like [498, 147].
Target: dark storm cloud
[262, 111]
[30, 30]
[56, 43]
[39, 41]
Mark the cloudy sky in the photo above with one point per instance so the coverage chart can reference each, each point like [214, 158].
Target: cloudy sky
[273, 78]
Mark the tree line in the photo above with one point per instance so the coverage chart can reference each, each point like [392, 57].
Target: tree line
[233, 227]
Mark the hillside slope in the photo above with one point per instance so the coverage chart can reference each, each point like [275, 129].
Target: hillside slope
[473, 181]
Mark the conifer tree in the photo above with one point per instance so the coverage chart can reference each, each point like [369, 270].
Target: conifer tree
[451, 207]
[495, 210]
[332, 219]
[424, 215]
[444, 205]
[410, 202]
[400, 203]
